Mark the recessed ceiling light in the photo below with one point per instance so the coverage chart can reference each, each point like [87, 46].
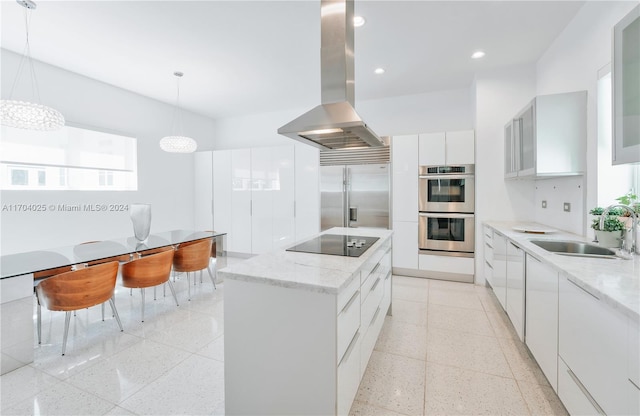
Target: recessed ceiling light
[358, 21]
[379, 71]
[478, 54]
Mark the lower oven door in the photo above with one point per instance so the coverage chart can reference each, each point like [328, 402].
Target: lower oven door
[446, 232]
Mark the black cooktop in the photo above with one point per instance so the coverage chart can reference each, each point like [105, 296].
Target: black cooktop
[336, 245]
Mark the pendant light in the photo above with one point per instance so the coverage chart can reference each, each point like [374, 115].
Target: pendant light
[176, 143]
[23, 114]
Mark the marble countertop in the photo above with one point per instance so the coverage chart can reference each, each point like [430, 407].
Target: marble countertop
[615, 281]
[315, 272]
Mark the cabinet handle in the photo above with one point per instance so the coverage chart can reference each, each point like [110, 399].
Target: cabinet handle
[352, 344]
[350, 301]
[529, 256]
[634, 384]
[488, 245]
[517, 248]
[586, 392]
[488, 264]
[375, 315]
[584, 290]
[388, 275]
[374, 269]
[375, 284]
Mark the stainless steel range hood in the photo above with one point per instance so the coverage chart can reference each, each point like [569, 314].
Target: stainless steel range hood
[334, 124]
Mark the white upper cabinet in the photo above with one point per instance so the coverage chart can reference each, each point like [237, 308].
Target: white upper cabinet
[432, 149]
[450, 148]
[548, 137]
[254, 196]
[460, 147]
[239, 238]
[203, 198]
[404, 160]
[307, 191]
[626, 94]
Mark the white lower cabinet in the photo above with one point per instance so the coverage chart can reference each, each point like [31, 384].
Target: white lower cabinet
[405, 243]
[542, 317]
[633, 354]
[592, 344]
[499, 277]
[575, 398]
[515, 287]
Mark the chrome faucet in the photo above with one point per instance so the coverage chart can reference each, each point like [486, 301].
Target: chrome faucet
[634, 226]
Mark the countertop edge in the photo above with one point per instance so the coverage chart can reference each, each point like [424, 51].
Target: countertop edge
[552, 260]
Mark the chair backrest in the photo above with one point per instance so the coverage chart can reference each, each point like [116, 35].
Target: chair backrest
[78, 289]
[148, 271]
[192, 256]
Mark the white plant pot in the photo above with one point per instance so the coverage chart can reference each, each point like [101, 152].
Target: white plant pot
[609, 239]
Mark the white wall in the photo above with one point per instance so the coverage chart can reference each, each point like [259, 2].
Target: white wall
[499, 95]
[164, 180]
[572, 63]
[421, 113]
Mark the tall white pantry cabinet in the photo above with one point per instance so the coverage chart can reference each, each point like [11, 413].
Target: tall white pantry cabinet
[408, 153]
[263, 197]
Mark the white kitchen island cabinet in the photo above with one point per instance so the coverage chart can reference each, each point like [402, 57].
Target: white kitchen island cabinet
[300, 327]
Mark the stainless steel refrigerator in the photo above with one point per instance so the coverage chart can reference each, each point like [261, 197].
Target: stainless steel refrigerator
[355, 196]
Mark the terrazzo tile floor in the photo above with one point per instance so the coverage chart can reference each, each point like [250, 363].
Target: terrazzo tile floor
[448, 349]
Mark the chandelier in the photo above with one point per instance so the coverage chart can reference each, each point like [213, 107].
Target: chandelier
[177, 143]
[25, 114]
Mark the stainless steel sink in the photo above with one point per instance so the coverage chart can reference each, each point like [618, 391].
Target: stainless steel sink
[575, 248]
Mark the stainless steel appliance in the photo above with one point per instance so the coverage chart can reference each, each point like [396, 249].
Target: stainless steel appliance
[446, 204]
[336, 245]
[334, 124]
[354, 196]
[446, 189]
[447, 233]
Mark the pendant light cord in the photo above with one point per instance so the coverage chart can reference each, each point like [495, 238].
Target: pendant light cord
[26, 57]
[177, 114]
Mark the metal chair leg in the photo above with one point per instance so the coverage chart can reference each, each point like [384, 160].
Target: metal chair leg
[102, 312]
[115, 313]
[39, 323]
[213, 280]
[173, 291]
[154, 293]
[67, 318]
[189, 285]
[200, 277]
[142, 291]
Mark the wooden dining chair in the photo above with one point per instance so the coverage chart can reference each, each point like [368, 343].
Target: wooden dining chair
[149, 271]
[75, 290]
[193, 256]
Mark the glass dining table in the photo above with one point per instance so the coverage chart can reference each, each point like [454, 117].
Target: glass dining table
[17, 280]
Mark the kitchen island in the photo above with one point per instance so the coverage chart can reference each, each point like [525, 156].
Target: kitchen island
[300, 327]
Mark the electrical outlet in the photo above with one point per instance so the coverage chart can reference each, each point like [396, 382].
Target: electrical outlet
[567, 207]
[544, 204]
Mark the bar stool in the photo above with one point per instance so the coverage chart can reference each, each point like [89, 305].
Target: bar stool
[78, 289]
[149, 271]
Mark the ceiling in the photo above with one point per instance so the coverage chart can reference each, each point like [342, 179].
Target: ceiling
[246, 57]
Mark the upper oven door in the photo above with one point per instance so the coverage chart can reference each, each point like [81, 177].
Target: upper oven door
[446, 193]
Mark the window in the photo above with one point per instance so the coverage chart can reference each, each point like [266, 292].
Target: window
[19, 177]
[72, 158]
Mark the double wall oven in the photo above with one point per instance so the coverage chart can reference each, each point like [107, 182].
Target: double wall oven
[446, 203]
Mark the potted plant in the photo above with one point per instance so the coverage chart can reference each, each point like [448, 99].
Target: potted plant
[611, 233]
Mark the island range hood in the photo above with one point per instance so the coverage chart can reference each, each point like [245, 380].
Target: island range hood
[334, 124]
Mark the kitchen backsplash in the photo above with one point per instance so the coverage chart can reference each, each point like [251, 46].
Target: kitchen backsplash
[557, 192]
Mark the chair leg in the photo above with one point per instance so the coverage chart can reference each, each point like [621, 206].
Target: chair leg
[102, 312]
[173, 291]
[200, 277]
[115, 313]
[142, 291]
[67, 318]
[189, 285]
[154, 293]
[213, 280]
[39, 323]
